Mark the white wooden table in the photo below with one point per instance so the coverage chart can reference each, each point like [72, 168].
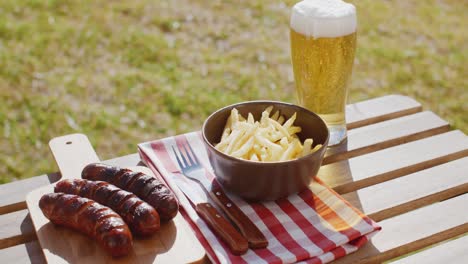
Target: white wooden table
[401, 165]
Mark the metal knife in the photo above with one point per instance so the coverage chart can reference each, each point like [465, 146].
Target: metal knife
[217, 223]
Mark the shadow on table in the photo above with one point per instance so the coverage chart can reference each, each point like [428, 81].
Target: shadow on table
[28, 234]
[338, 175]
[53, 177]
[35, 254]
[64, 245]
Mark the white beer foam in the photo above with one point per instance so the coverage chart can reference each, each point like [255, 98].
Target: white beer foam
[323, 18]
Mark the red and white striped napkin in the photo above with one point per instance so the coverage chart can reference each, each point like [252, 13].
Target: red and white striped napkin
[314, 226]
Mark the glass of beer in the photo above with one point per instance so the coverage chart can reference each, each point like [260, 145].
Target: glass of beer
[323, 42]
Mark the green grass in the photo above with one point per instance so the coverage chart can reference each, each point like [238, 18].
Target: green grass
[124, 72]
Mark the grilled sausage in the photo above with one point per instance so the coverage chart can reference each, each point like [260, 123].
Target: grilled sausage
[148, 188]
[91, 218]
[141, 217]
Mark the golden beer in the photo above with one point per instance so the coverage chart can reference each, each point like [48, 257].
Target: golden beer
[323, 43]
[322, 68]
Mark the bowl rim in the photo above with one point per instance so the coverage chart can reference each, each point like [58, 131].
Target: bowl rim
[267, 163]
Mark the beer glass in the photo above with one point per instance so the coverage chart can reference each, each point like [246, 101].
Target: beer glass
[323, 42]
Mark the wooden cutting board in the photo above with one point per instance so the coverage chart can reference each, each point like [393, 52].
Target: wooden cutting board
[174, 243]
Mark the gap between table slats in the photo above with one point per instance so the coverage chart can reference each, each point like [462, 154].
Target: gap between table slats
[448, 252]
[13, 195]
[383, 165]
[387, 134]
[414, 230]
[397, 196]
[379, 109]
[16, 228]
[30, 252]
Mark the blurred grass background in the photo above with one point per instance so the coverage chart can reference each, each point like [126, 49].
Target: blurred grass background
[125, 72]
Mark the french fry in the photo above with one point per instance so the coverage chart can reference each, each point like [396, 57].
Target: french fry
[316, 148]
[286, 153]
[250, 119]
[306, 148]
[250, 130]
[281, 120]
[276, 136]
[235, 135]
[296, 153]
[279, 127]
[244, 149]
[234, 118]
[221, 146]
[272, 138]
[267, 144]
[264, 120]
[284, 143]
[290, 121]
[275, 116]
[263, 154]
[241, 118]
[226, 132]
[294, 130]
[253, 157]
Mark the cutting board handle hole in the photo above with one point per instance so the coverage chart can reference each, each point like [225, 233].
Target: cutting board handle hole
[68, 142]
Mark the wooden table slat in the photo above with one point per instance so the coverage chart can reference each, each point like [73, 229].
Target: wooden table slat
[387, 134]
[30, 252]
[362, 171]
[380, 109]
[414, 230]
[13, 195]
[449, 252]
[412, 191]
[129, 160]
[16, 228]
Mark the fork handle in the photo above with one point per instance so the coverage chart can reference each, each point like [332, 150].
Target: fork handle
[235, 241]
[247, 228]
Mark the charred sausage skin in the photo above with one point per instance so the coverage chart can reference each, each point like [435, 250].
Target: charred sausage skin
[148, 188]
[141, 217]
[89, 217]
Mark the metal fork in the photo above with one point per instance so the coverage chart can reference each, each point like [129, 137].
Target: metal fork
[193, 169]
[191, 166]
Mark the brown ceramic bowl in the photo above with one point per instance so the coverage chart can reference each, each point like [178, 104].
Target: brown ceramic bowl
[260, 181]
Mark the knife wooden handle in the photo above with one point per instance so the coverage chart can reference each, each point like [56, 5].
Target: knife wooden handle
[246, 227]
[235, 241]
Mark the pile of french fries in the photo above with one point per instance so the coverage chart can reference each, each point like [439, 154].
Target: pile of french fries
[271, 139]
